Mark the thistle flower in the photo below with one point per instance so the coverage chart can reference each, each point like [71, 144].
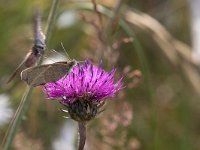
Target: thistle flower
[84, 90]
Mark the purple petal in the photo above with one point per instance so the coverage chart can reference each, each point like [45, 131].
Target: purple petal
[84, 80]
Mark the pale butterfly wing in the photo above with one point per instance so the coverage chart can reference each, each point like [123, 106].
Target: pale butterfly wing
[40, 75]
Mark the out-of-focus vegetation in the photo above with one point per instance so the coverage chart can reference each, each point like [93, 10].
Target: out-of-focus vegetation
[148, 41]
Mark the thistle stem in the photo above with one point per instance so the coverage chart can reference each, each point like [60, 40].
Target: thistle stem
[51, 19]
[82, 135]
[25, 101]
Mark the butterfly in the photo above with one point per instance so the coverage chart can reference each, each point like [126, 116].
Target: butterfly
[37, 49]
[40, 75]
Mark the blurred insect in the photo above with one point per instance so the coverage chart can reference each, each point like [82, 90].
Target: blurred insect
[40, 75]
[37, 49]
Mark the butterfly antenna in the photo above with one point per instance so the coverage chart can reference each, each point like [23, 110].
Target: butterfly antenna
[53, 50]
[49, 59]
[67, 55]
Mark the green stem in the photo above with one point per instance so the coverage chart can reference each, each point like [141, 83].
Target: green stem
[51, 20]
[25, 101]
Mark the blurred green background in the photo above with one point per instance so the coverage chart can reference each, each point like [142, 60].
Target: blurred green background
[150, 44]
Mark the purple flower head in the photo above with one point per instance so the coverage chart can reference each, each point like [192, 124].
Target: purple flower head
[84, 89]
